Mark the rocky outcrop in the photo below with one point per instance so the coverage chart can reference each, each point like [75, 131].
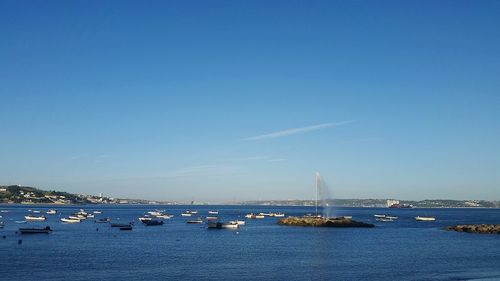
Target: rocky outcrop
[476, 228]
[322, 222]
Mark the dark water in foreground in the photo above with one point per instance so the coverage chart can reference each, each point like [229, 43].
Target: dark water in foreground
[260, 250]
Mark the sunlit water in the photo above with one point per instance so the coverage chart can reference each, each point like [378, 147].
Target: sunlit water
[260, 250]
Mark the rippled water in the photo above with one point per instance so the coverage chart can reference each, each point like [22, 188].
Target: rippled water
[260, 250]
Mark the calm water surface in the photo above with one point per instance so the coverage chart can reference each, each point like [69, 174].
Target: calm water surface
[260, 250]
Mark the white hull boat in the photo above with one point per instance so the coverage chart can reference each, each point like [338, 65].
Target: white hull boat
[35, 218]
[419, 218]
[68, 220]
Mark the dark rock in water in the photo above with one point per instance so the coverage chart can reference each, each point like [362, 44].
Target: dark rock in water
[322, 222]
[476, 228]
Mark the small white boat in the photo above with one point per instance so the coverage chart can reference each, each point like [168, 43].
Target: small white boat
[388, 217]
[213, 212]
[198, 220]
[69, 220]
[165, 216]
[193, 212]
[238, 222]
[20, 222]
[385, 219]
[36, 212]
[419, 218]
[1, 224]
[97, 212]
[35, 218]
[186, 214]
[278, 215]
[209, 218]
[77, 217]
[51, 212]
[254, 216]
[231, 224]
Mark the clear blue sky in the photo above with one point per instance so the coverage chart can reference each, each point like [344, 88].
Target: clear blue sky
[222, 100]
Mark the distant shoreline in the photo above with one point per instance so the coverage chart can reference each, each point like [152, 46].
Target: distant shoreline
[223, 204]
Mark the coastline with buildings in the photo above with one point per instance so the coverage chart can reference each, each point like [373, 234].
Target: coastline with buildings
[17, 194]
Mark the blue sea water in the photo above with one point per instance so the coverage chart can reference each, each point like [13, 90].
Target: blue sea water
[260, 250]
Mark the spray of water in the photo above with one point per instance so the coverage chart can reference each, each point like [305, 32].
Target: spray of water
[323, 197]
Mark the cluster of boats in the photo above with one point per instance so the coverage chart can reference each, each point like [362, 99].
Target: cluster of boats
[263, 215]
[79, 216]
[388, 218]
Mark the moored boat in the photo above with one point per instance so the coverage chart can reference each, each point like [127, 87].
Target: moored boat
[198, 220]
[34, 230]
[165, 216]
[51, 212]
[35, 218]
[128, 227]
[419, 218]
[186, 214]
[213, 212]
[69, 220]
[209, 218]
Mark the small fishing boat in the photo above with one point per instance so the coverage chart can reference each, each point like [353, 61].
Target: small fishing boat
[277, 215]
[198, 220]
[77, 217]
[69, 220]
[152, 222]
[238, 222]
[385, 219]
[165, 216]
[254, 216]
[213, 212]
[35, 218]
[34, 230]
[419, 218]
[103, 220]
[51, 212]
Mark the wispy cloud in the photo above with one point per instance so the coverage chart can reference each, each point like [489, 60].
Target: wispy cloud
[295, 131]
[199, 171]
[276, 160]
